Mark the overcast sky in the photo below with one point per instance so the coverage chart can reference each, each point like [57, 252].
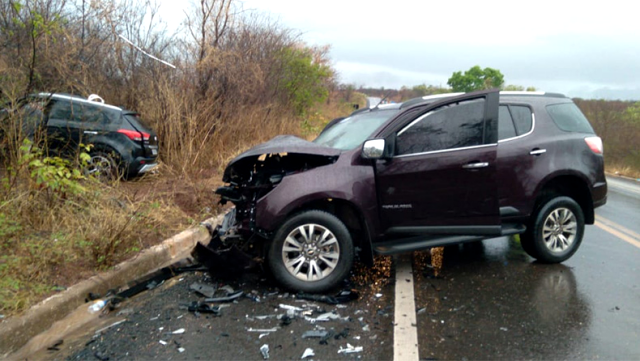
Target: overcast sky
[583, 49]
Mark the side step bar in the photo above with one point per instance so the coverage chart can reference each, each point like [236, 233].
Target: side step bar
[427, 241]
[420, 243]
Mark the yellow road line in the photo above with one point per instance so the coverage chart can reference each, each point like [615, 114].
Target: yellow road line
[619, 227]
[618, 231]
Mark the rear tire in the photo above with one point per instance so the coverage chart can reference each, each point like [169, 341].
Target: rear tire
[311, 252]
[103, 165]
[556, 231]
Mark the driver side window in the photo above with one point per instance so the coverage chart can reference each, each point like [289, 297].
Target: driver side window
[455, 125]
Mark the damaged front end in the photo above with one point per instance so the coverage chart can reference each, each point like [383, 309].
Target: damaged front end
[250, 177]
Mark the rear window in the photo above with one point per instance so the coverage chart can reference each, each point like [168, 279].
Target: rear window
[569, 118]
[135, 117]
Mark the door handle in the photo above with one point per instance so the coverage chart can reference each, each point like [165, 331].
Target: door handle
[476, 165]
[90, 132]
[537, 151]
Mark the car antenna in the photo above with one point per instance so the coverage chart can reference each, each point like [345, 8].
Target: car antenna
[380, 102]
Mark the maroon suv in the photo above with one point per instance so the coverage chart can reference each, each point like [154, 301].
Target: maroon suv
[429, 172]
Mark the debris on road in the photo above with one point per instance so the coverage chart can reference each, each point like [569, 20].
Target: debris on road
[229, 298]
[224, 261]
[350, 349]
[201, 307]
[264, 350]
[97, 306]
[163, 343]
[326, 317]
[315, 334]
[262, 330]
[205, 290]
[437, 256]
[307, 353]
[178, 331]
[343, 296]
[181, 349]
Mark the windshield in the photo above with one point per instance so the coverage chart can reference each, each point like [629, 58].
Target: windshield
[352, 131]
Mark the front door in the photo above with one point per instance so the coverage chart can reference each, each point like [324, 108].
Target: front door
[442, 177]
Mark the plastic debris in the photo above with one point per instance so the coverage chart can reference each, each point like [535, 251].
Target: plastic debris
[262, 330]
[315, 334]
[253, 297]
[227, 289]
[264, 350]
[222, 262]
[366, 328]
[203, 308]
[307, 353]
[326, 317]
[181, 349]
[263, 335]
[229, 298]
[97, 306]
[378, 295]
[291, 308]
[422, 310]
[202, 289]
[504, 329]
[163, 343]
[178, 331]
[350, 349]
[343, 296]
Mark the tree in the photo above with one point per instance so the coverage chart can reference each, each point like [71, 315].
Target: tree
[512, 87]
[476, 79]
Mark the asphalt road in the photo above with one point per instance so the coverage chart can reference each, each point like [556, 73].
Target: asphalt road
[491, 301]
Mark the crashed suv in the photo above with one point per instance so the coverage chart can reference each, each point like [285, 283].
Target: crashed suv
[121, 143]
[429, 172]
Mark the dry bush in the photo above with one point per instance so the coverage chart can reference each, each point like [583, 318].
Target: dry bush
[619, 132]
[55, 235]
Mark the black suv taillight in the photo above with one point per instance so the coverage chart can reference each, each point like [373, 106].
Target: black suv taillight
[134, 135]
[595, 144]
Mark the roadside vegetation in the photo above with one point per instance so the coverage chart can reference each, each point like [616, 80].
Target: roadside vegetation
[229, 79]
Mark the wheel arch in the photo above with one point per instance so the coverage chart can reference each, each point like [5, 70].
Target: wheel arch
[570, 185]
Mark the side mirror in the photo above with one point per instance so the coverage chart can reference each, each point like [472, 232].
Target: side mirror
[373, 149]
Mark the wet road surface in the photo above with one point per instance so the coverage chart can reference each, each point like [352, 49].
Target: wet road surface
[491, 301]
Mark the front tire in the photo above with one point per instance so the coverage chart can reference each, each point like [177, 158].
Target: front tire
[556, 231]
[311, 252]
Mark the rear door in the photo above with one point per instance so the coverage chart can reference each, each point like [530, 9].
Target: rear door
[442, 177]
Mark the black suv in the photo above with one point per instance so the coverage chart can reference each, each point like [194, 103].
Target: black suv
[428, 172]
[121, 143]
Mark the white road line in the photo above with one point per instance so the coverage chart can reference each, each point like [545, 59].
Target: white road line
[405, 332]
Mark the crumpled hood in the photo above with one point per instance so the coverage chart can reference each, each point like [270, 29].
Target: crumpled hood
[281, 144]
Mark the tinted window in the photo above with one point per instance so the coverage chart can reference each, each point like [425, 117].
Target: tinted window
[569, 118]
[61, 110]
[522, 118]
[505, 124]
[452, 126]
[83, 112]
